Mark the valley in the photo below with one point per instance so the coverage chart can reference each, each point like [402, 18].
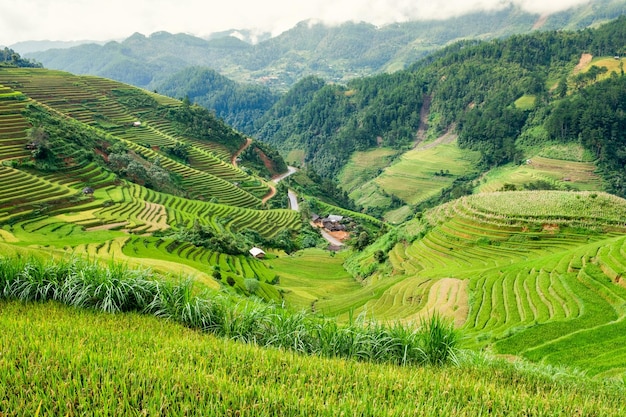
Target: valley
[479, 194]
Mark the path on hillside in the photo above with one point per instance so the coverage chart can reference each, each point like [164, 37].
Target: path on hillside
[233, 159]
[290, 171]
[293, 200]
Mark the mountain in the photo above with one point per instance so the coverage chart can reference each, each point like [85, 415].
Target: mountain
[529, 265]
[240, 105]
[502, 101]
[88, 162]
[27, 47]
[336, 53]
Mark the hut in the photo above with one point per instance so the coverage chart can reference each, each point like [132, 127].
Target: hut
[257, 253]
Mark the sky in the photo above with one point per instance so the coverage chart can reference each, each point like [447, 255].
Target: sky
[102, 20]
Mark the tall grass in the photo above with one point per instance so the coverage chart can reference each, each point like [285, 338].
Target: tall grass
[59, 361]
[115, 288]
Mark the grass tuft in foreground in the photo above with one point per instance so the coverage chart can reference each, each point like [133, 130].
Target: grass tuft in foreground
[80, 283]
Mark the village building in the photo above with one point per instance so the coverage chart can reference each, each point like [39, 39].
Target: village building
[257, 253]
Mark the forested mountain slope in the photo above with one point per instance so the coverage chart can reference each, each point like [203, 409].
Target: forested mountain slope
[505, 99]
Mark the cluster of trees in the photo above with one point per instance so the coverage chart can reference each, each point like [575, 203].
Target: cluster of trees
[473, 86]
[263, 159]
[10, 58]
[136, 169]
[234, 242]
[596, 118]
[198, 122]
[337, 52]
[330, 121]
[53, 139]
[239, 105]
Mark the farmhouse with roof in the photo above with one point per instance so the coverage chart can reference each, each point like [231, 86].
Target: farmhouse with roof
[257, 253]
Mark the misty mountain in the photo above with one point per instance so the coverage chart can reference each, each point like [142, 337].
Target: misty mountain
[336, 53]
[27, 47]
[470, 88]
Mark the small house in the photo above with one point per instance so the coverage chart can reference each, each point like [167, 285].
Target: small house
[333, 218]
[88, 190]
[137, 124]
[257, 253]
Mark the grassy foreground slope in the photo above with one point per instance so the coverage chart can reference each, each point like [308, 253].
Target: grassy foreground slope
[63, 361]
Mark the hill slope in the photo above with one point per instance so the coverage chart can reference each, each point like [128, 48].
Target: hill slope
[507, 101]
[534, 273]
[93, 166]
[112, 358]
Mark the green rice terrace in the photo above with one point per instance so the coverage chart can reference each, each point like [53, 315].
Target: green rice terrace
[117, 200]
[159, 172]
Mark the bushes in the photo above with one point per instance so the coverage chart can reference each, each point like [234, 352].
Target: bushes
[115, 288]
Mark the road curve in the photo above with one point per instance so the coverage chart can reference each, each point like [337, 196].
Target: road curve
[290, 171]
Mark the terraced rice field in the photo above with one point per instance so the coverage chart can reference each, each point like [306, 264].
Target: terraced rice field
[416, 176]
[22, 193]
[558, 173]
[537, 275]
[116, 220]
[13, 125]
[96, 102]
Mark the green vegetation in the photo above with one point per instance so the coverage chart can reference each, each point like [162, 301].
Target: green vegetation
[555, 174]
[415, 177]
[81, 168]
[114, 289]
[238, 104]
[532, 267]
[10, 58]
[77, 361]
[336, 52]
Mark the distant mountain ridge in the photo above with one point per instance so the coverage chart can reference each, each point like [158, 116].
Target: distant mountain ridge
[336, 53]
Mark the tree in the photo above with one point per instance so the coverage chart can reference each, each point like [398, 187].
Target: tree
[362, 241]
[39, 143]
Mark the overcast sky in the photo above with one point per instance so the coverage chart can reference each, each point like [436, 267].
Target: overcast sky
[22, 20]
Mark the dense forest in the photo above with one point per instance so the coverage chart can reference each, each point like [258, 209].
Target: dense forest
[471, 87]
[238, 104]
[10, 58]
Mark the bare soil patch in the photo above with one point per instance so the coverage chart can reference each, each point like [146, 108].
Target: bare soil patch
[585, 59]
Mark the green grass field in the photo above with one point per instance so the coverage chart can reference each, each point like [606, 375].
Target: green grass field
[610, 63]
[558, 173]
[364, 165]
[415, 177]
[58, 360]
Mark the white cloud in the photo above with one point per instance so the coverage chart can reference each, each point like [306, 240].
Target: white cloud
[113, 19]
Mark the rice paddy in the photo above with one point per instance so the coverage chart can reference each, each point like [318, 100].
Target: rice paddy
[116, 220]
[537, 275]
[75, 362]
[417, 176]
